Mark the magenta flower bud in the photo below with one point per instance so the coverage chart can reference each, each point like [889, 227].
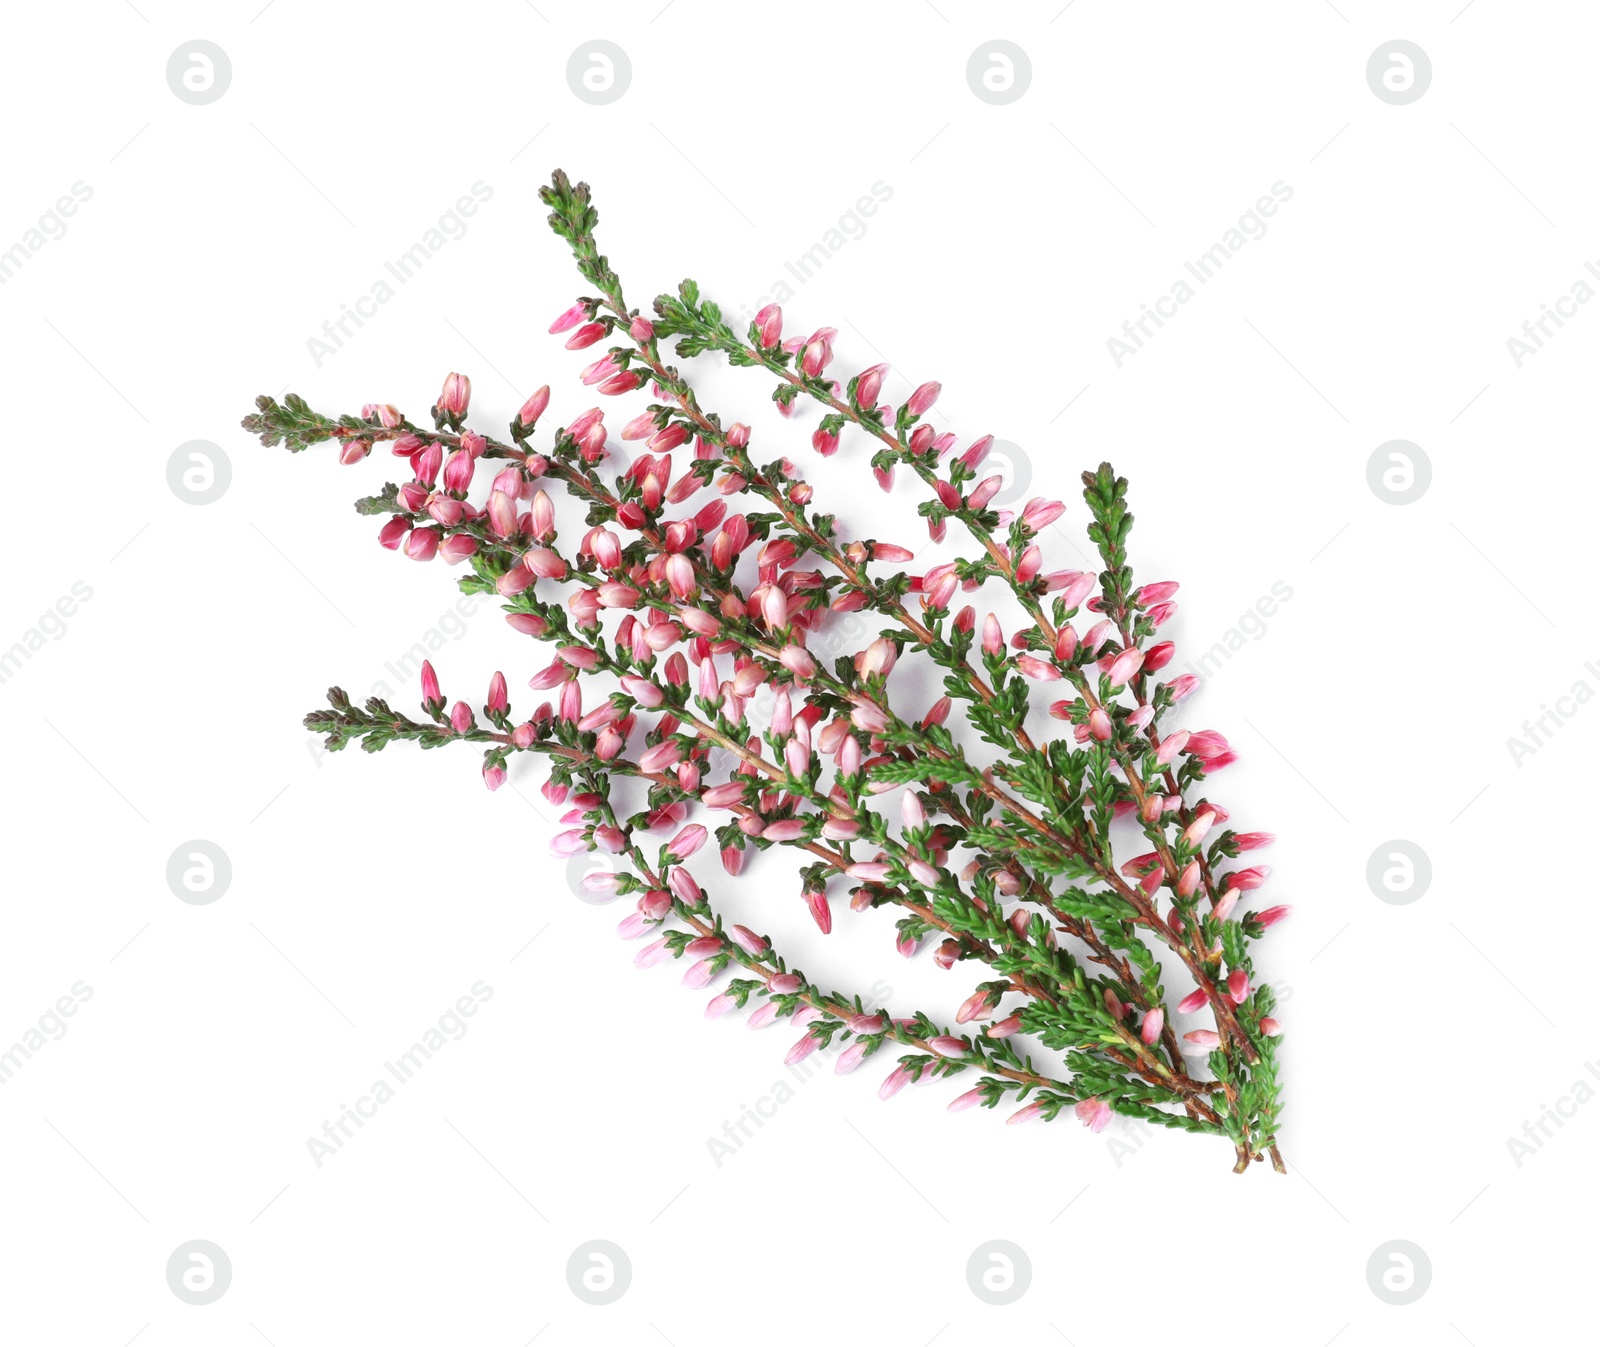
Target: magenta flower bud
[1225, 905]
[1159, 656]
[641, 329]
[733, 860]
[1239, 986]
[1253, 841]
[585, 336]
[1272, 915]
[393, 533]
[923, 398]
[1125, 666]
[1192, 1002]
[569, 318]
[422, 544]
[1005, 1028]
[1100, 724]
[456, 394]
[769, 326]
[1159, 592]
[534, 407]
[461, 717]
[1171, 746]
[821, 913]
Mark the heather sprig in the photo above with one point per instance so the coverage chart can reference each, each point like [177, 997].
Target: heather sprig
[683, 611]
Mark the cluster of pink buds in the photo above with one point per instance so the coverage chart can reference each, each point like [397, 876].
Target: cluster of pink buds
[703, 701]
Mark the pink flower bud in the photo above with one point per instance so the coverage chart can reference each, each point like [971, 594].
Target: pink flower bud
[1026, 1114]
[1095, 1114]
[894, 1082]
[923, 398]
[981, 1002]
[1239, 986]
[1004, 1028]
[947, 1045]
[455, 395]
[1203, 1038]
[1192, 1002]
[1150, 1029]
[1270, 1027]
[1272, 915]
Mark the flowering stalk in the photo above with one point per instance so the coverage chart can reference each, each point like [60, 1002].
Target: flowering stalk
[697, 597]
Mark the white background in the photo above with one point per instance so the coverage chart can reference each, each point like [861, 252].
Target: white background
[368, 894]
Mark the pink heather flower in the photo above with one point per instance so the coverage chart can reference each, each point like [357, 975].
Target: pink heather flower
[1205, 1039]
[1239, 986]
[762, 1016]
[699, 974]
[569, 318]
[1253, 878]
[1182, 686]
[748, 940]
[1100, 724]
[868, 871]
[851, 1058]
[923, 398]
[586, 335]
[804, 1046]
[430, 684]
[1150, 1029]
[461, 717]
[769, 326]
[534, 407]
[1192, 1002]
[632, 926]
[981, 1002]
[962, 1102]
[422, 544]
[1159, 656]
[1037, 669]
[821, 913]
[687, 842]
[785, 984]
[947, 1045]
[1125, 666]
[1095, 1114]
[1026, 1114]
[784, 830]
[1272, 915]
[1253, 841]
[1039, 512]
[1270, 1027]
[455, 395]
[1004, 1028]
[1158, 592]
[494, 775]
[652, 954]
[894, 1082]
[1199, 828]
[719, 1005]
[1225, 905]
